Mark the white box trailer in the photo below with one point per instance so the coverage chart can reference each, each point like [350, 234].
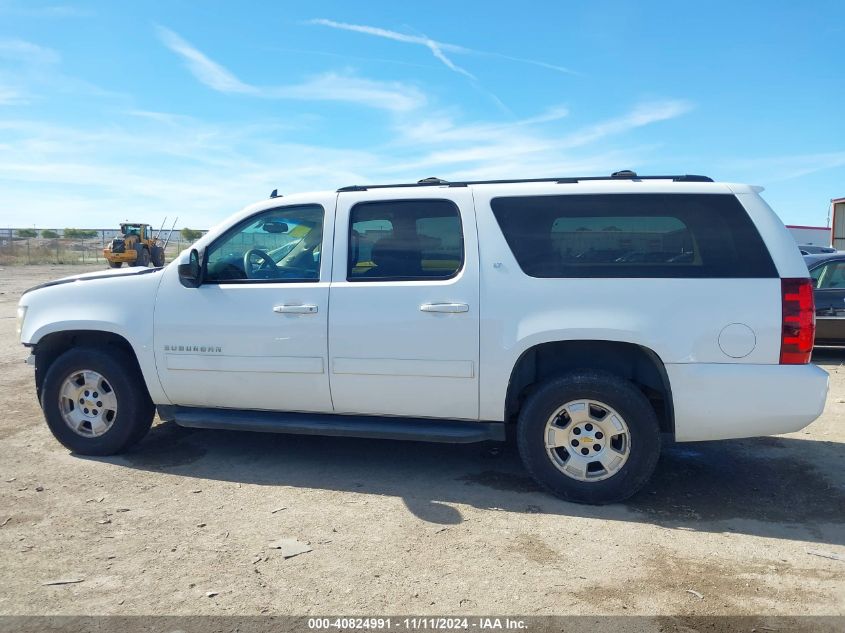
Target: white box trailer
[837, 215]
[815, 235]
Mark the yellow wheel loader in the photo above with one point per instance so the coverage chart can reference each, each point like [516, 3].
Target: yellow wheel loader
[136, 246]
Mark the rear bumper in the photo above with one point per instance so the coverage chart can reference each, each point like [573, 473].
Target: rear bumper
[722, 401]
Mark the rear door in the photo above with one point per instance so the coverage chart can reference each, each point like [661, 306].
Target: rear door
[404, 317]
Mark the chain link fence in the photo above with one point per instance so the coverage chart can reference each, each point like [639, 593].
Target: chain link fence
[19, 247]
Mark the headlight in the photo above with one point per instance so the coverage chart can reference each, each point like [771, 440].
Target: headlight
[21, 317]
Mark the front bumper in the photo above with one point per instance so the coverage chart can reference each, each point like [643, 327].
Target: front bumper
[722, 401]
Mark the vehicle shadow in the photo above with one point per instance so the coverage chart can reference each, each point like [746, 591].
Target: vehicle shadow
[773, 487]
[828, 355]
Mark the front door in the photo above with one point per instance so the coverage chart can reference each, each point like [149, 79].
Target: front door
[404, 320]
[253, 335]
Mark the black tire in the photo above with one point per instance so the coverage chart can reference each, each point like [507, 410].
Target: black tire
[157, 256]
[143, 258]
[135, 409]
[613, 391]
[115, 264]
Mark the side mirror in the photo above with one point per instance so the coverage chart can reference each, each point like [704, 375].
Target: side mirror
[190, 274]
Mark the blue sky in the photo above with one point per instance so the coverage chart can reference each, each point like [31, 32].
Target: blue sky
[138, 110]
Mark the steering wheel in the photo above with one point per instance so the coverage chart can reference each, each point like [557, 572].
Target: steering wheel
[266, 263]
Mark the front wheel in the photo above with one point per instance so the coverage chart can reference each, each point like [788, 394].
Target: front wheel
[143, 258]
[589, 437]
[95, 403]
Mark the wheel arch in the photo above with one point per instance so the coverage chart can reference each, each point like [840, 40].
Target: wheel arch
[637, 363]
[54, 344]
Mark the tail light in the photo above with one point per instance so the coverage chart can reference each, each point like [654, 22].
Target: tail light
[798, 330]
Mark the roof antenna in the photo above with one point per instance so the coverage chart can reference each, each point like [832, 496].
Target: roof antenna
[274, 193]
[432, 180]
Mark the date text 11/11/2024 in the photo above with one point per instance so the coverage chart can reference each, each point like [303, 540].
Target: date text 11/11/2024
[418, 623]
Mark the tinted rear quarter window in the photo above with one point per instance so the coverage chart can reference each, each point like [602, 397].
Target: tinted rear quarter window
[633, 235]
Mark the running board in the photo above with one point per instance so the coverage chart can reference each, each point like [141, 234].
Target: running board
[368, 426]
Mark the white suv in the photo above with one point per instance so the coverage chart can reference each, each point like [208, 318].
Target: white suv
[596, 315]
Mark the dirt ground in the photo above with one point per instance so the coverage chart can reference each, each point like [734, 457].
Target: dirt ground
[740, 527]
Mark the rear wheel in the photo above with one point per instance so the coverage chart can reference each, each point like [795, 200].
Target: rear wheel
[115, 264]
[589, 437]
[157, 256]
[94, 404]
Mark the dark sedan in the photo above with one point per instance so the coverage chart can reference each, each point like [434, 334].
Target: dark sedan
[828, 273]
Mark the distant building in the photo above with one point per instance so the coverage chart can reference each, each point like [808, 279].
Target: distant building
[815, 235]
[837, 214]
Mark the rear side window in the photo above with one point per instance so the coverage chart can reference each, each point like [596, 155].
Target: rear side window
[404, 240]
[633, 235]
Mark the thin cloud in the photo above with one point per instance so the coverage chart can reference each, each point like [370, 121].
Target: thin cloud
[486, 148]
[21, 50]
[348, 58]
[439, 54]
[441, 129]
[644, 114]
[33, 64]
[11, 96]
[49, 11]
[778, 168]
[391, 96]
[333, 87]
[551, 114]
[166, 118]
[532, 62]
[438, 49]
[204, 69]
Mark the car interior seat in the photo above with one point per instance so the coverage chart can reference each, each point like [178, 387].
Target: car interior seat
[396, 257]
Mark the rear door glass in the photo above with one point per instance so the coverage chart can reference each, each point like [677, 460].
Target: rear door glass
[405, 240]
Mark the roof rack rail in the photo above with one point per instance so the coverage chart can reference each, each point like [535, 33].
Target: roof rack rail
[625, 174]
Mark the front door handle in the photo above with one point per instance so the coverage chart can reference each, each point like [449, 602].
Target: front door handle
[307, 308]
[449, 308]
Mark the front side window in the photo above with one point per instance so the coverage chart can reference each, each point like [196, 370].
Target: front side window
[281, 244]
[405, 240]
[633, 235]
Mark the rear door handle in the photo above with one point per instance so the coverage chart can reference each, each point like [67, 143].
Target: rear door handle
[308, 308]
[449, 308]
